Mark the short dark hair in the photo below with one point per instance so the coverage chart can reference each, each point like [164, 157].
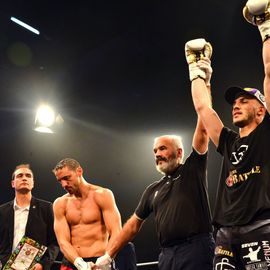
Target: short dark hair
[67, 162]
[23, 165]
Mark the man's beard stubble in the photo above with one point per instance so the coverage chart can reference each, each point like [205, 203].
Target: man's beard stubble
[246, 121]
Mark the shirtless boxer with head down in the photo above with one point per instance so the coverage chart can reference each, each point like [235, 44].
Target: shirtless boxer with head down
[86, 218]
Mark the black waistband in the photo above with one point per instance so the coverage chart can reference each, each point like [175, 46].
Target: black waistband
[246, 228]
[188, 239]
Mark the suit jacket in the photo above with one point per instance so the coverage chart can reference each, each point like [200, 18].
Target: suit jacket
[39, 227]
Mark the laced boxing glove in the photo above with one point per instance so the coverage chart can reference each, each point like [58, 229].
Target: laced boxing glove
[198, 53]
[257, 12]
[81, 264]
[104, 262]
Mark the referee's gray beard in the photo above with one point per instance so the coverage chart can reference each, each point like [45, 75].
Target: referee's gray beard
[167, 167]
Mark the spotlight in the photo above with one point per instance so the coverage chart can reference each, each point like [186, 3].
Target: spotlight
[46, 119]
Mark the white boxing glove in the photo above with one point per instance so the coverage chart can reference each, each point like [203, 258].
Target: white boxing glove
[197, 49]
[198, 53]
[257, 12]
[104, 262]
[81, 264]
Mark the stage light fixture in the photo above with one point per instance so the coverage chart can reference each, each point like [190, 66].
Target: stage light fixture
[46, 120]
[28, 27]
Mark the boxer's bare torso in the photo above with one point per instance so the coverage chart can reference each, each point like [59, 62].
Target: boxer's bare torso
[88, 234]
[85, 218]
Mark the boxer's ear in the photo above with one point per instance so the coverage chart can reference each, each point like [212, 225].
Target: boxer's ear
[79, 170]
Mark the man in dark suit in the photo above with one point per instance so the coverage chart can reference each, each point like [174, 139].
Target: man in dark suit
[27, 216]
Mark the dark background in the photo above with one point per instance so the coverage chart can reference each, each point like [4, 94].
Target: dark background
[117, 74]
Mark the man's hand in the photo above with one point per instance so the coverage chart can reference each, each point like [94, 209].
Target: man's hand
[198, 53]
[104, 262]
[257, 12]
[205, 65]
[197, 49]
[37, 266]
[81, 264]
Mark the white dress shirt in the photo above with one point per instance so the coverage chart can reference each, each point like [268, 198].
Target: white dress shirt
[20, 220]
